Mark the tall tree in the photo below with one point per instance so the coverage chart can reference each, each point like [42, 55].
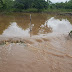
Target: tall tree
[7, 4]
[1, 3]
[25, 4]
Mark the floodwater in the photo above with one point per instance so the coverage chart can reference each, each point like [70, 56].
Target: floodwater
[18, 24]
[46, 48]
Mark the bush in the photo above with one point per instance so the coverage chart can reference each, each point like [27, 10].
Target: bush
[70, 34]
[30, 10]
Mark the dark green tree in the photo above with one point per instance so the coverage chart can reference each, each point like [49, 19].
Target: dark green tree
[26, 4]
[1, 4]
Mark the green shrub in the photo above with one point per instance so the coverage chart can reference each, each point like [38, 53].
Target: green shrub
[70, 31]
[30, 10]
[70, 34]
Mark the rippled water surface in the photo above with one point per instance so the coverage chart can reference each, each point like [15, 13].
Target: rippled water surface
[18, 24]
[35, 54]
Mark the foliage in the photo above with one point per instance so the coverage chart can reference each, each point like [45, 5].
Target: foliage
[30, 10]
[27, 4]
[1, 4]
[34, 6]
[70, 31]
[70, 34]
[6, 5]
[66, 5]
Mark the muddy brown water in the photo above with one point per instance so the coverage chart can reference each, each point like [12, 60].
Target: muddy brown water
[47, 48]
[18, 24]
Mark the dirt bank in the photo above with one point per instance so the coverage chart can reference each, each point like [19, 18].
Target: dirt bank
[44, 54]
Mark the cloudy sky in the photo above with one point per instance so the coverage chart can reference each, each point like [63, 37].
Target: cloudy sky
[54, 1]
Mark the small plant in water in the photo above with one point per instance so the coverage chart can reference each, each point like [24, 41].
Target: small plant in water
[70, 33]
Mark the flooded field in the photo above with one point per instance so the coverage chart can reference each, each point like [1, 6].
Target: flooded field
[46, 48]
[18, 24]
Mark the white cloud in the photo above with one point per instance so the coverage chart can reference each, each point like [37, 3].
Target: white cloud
[55, 1]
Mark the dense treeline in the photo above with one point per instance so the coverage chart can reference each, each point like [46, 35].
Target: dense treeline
[32, 5]
[66, 5]
[21, 5]
[25, 4]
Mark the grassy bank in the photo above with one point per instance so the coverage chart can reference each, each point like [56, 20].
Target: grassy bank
[34, 10]
[43, 10]
[58, 10]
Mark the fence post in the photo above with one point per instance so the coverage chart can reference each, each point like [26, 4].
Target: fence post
[30, 22]
[30, 25]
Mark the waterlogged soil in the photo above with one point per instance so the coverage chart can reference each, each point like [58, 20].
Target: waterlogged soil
[46, 48]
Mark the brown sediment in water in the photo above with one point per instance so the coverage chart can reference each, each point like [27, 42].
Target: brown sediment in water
[38, 40]
[45, 39]
[51, 55]
[11, 40]
[42, 53]
[28, 41]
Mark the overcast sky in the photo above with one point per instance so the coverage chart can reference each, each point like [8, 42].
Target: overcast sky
[54, 1]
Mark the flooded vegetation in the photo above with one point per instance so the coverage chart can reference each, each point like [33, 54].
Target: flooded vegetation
[46, 48]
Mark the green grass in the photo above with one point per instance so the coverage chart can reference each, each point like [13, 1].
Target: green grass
[58, 10]
[38, 10]
[30, 10]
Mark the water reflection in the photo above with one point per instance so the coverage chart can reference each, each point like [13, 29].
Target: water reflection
[18, 24]
[14, 30]
[60, 26]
